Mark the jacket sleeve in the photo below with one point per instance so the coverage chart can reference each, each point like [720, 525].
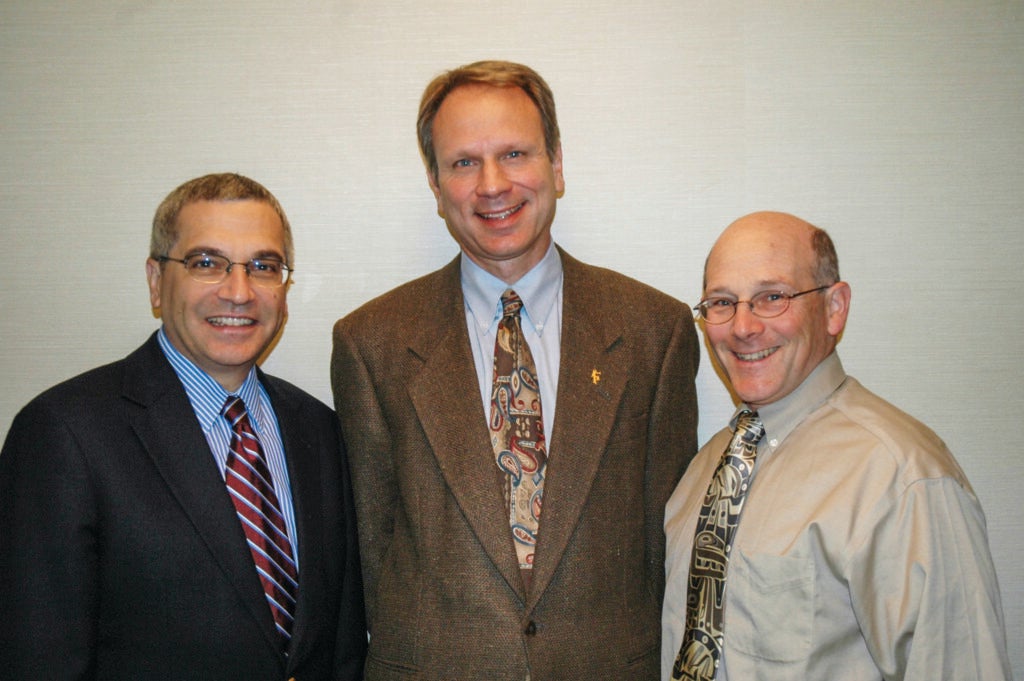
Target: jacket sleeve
[350, 651]
[368, 445]
[672, 439]
[48, 551]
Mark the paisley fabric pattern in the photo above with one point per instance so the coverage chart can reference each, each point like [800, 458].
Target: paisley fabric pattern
[701, 650]
[517, 430]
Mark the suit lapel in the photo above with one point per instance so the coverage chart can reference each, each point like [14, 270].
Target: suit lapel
[306, 491]
[587, 407]
[592, 377]
[173, 440]
[447, 384]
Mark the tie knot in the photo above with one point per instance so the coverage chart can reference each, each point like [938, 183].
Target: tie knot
[750, 426]
[234, 409]
[511, 303]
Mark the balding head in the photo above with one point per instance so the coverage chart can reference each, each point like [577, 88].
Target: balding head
[788, 228]
[767, 357]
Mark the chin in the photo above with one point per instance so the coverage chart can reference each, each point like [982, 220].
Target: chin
[751, 397]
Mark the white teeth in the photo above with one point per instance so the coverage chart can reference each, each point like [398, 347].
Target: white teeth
[756, 355]
[502, 215]
[230, 321]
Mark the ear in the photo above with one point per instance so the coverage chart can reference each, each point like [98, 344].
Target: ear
[436, 188]
[556, 166]
[153, 277]
[838, 302]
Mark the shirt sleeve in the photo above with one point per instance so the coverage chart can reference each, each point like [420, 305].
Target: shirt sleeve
[924, 589]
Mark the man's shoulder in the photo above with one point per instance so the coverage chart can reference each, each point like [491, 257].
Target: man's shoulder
[87, 387]
[611, 299]
[616, 288]
[414, 298]
[90, 400]
[878, 415]
[911, 445]
[281, 388]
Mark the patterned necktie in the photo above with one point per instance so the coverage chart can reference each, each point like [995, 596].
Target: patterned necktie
[517, 432]
[701, 650]
[252, 492]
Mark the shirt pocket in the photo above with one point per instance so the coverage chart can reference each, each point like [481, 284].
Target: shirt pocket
[769, 606]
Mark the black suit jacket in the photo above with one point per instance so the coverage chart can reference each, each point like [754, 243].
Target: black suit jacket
[121, 556]
[445, 597]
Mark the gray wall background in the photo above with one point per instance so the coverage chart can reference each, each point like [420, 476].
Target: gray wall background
[897, 126]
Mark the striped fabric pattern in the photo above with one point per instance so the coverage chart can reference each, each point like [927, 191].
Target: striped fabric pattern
[252, 492]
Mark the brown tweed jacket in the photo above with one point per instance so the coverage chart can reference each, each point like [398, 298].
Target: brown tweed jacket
[444, 594]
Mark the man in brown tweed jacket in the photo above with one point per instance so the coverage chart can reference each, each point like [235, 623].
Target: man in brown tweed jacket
[447, 596]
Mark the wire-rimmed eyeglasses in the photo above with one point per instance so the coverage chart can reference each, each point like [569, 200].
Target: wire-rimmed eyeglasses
[213, 269]
[766, 304]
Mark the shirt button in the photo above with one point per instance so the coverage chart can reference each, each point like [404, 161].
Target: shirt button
[531, 628]
[773, 442]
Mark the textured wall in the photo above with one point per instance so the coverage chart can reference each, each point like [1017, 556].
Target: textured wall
[896, 126]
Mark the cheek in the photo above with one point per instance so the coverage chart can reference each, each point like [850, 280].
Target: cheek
[717, 337]
[274, 303]
[453, 190]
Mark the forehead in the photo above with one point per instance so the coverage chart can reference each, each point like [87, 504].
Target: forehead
[245, 225]
[479, 112]
[752, 258]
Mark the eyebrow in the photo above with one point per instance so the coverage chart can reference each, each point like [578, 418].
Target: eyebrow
[209, 250]
[759, 287]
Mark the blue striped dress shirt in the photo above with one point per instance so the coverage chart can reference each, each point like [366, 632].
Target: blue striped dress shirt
[207, 398]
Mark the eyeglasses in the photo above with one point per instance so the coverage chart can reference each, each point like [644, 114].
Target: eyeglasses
[766, 304]
[213, 269]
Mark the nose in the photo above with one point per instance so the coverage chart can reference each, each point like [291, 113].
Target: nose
[236, 286]
[493, 180]
[744, 322]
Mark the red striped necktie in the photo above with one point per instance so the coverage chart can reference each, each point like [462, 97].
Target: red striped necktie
[252, 492]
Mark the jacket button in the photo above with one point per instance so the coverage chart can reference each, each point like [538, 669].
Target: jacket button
[531, 628]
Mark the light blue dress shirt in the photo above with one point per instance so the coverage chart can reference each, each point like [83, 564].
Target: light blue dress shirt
[541, 292]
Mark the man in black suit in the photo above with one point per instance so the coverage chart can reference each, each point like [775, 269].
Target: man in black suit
[123, 553]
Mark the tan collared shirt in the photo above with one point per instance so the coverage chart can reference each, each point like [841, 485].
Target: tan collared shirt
[861, 552]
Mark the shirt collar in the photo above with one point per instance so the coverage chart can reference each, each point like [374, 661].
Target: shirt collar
[538, 289]
[781, 417]
[207, 395]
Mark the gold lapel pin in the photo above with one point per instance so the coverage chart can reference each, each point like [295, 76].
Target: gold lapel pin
[595, 376]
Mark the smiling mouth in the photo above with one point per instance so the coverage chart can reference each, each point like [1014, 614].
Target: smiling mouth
[230, 321]
[754, 356]
[503, 214]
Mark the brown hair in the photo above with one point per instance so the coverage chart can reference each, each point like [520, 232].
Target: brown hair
[495, 74]
[826, 271]
[214, 187]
